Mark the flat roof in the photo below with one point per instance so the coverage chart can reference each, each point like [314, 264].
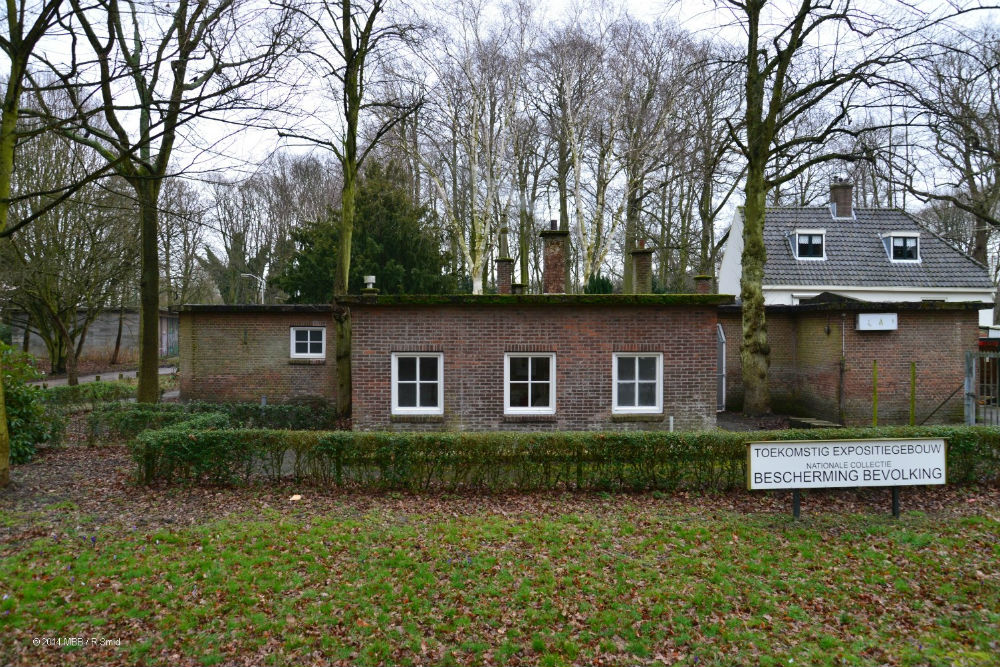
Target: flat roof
[475, 300]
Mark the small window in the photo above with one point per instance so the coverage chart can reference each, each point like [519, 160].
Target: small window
[905, 248]
[417, 384]
[637, 383]
[529, 383]
[308, 342]
[809, 245]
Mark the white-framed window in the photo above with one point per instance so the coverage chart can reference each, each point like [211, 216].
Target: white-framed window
[637, 383]
[417, 383]
[810, 244]
[902, 246]
[308, 342]
[529, 383]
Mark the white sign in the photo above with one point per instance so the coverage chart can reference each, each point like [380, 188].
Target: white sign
[877, 322]
[820, 464]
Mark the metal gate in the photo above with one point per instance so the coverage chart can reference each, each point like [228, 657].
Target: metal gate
[982, 387]
[720, 366]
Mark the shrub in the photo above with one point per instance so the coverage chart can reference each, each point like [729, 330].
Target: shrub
[87, 394]
[28, 421]
[125, 421]
[617, 461]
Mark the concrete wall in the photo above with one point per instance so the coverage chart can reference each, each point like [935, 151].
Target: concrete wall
[244, 356]
[100, 342]
[807, 346]
[474, 339]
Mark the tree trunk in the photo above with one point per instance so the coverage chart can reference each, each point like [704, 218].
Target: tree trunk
[72, 377]
[148, 390]
[342, 323]
[754, 350]
[632, 204]
[118, 336]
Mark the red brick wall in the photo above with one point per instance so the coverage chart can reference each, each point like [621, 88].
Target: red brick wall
[243, 356]
[474, 339]
[806, 349]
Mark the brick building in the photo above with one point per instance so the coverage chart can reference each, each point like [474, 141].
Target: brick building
[510, 361]
[823, 359]
[555, 361]
[529, 362]
[246, 353]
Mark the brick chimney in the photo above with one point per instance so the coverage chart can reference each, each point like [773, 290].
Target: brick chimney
[642, 269]
[842, 196]
[504, 265]
[703, 284]
[554, 259]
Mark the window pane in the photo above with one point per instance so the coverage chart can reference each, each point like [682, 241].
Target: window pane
[519, 368]
[518, 394]
[407, 395]
[539, 394]
[539, 368]
[428, 394]
[315, 335]
[316, 348]
[626, 368]
[428, 369]
[301, 348]
[810, 245]
[647, 368]
[647, 394]
[626, 394]
[301, 335]
[407, 371]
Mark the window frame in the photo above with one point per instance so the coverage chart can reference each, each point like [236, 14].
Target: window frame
[889, 239]
[306, 355]
[809, 232]
[517, 410]
[636, 410]
[394, 384]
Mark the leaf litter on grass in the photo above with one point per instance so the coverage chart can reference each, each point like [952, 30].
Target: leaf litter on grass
[218, 575]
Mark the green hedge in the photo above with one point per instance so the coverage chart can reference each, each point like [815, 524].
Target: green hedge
[88, 393]
[619, 461]
[125, 421]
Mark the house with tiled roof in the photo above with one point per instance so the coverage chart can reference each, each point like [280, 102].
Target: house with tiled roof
[865, 254]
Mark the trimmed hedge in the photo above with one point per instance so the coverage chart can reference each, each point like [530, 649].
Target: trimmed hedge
[618, 461]
[88, 393]
[125, 421]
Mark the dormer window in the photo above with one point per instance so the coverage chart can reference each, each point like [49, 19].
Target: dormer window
[902, 246]
[809, 244]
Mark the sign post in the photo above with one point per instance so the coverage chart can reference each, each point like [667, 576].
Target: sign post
[824, 464]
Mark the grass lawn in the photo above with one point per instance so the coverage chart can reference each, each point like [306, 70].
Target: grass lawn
[184, 575]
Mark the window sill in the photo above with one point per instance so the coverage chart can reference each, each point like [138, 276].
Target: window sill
[417, 419]
[638, 417]
[307, 362]
[530, 419]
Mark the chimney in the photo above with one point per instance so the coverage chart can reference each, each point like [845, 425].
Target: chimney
[842, 196]
[703, 284]
[505, 265]
[554, 259]
[642, 269]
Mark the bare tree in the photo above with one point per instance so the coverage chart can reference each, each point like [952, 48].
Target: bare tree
[818, 58]
[954, 157]
[152, 69]
[349, 50]
[27, 24]
[69, 264]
